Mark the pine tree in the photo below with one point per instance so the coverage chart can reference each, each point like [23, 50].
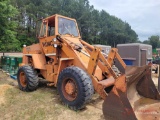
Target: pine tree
[8, 41]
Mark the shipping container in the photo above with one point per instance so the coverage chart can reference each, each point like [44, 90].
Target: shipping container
[135, 53]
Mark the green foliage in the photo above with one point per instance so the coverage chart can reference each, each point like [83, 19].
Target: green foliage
[154, 40]
[8, 41]
[96, 27]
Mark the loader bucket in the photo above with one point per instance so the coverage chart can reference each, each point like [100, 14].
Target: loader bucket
[119, 102]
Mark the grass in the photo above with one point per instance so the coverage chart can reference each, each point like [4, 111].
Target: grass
[42, 104]
[31, 106]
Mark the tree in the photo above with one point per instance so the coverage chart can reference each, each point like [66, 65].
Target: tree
[146, 42]
[154, 41]
[96, 27]
[8, 41]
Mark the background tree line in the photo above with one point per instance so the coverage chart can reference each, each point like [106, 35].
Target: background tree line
[18, 22]
[154, 40]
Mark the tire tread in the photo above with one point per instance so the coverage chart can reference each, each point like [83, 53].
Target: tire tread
[31, 76]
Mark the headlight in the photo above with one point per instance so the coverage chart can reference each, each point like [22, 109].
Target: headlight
[55, 45]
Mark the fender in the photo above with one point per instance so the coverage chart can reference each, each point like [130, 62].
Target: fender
[39, 61]
[64, 62]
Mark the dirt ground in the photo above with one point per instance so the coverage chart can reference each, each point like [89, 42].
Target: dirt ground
[44, 104]
[148, 109]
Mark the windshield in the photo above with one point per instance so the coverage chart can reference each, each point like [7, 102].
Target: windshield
[66, 26]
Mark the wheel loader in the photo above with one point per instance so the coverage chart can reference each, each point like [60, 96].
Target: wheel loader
[78, 70]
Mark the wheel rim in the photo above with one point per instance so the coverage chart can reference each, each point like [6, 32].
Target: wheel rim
[69, 89]
[22, 78]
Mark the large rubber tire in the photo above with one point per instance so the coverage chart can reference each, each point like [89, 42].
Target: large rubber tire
[27, 79]
[83, 87]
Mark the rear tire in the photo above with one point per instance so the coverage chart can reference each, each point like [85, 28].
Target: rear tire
[74, 87]
[27, 78]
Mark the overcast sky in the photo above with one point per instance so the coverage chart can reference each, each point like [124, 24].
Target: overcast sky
[142, 15]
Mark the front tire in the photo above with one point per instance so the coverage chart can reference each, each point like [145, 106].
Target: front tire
[74, 87]
[27, 78]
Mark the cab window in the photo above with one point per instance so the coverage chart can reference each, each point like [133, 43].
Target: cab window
[43, 29]
[51, 29]
[66, 26]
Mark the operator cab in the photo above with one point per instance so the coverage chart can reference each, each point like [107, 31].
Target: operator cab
[58, 25]
[66, 26]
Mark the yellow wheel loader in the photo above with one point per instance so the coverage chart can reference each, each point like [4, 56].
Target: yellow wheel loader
[78, 69]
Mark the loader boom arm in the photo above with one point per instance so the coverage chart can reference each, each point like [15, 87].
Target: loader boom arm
[116, 101]
[97, 58]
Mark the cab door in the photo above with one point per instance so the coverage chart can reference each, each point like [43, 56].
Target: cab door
[47, 36]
